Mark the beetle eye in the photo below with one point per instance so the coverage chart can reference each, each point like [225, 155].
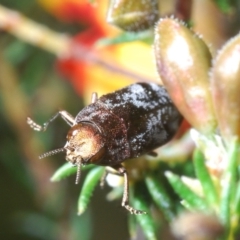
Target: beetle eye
[69, 148]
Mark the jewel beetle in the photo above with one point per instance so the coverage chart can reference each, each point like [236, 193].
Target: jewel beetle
[124, 124]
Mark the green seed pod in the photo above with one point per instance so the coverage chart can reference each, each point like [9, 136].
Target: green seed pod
[225, 84]
[183, 61]
[132, 15]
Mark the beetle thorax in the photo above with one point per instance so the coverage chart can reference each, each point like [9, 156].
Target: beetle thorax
[83, 143]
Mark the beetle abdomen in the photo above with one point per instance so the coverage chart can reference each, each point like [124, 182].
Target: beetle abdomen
[134, 120]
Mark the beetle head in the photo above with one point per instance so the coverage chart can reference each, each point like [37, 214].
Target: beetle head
[84, 145]
[84, 142]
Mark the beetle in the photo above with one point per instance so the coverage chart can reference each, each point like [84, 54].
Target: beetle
[120, 125]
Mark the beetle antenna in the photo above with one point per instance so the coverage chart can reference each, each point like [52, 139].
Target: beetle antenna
[79, 167]
[52, 152]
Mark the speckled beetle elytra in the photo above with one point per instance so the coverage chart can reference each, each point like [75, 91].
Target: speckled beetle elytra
[120, 125]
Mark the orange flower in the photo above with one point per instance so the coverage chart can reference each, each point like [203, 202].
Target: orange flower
[113, 66]
[81, 11]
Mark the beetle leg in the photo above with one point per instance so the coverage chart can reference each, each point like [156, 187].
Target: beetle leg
[106, 172]
[125, 200]
[94, 97]
[67, 117]
[103, 178]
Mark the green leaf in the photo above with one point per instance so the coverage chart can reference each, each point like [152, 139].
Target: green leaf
[145, 36]
[144, 220]
[210, 192]
[66, 170]
[17, 52]
[229, 184]
[192, 200]
[89, 184]
[160, 196]
[237, 198]
[224, 5]
[132, 226]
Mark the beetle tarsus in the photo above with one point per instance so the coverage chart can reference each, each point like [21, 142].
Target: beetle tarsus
[67, 117]
[34, 125]
[122, 171]
[133, 210]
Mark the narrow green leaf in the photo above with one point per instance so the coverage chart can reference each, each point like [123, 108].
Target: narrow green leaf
[193, 200]
[89, 184]
[145, 36]
[186, 205]
[145, 220]
[224, 5]
[66, 170]
[210, 192]
[229, 184]
[17, 51]
[160, 196]
[132, 226]
[237, 198]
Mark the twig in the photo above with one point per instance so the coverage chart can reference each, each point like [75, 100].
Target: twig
[81, 53]
[34, 33]
[59, 44]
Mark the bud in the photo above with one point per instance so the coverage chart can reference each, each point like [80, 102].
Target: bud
[183, 61]
[132, 15]
[225, 85]
[197, 226]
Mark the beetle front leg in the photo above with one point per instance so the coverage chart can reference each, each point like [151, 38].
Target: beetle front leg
[125, 200]
[108, 170]
[94, 97]
[67, 117]
[103, 179]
